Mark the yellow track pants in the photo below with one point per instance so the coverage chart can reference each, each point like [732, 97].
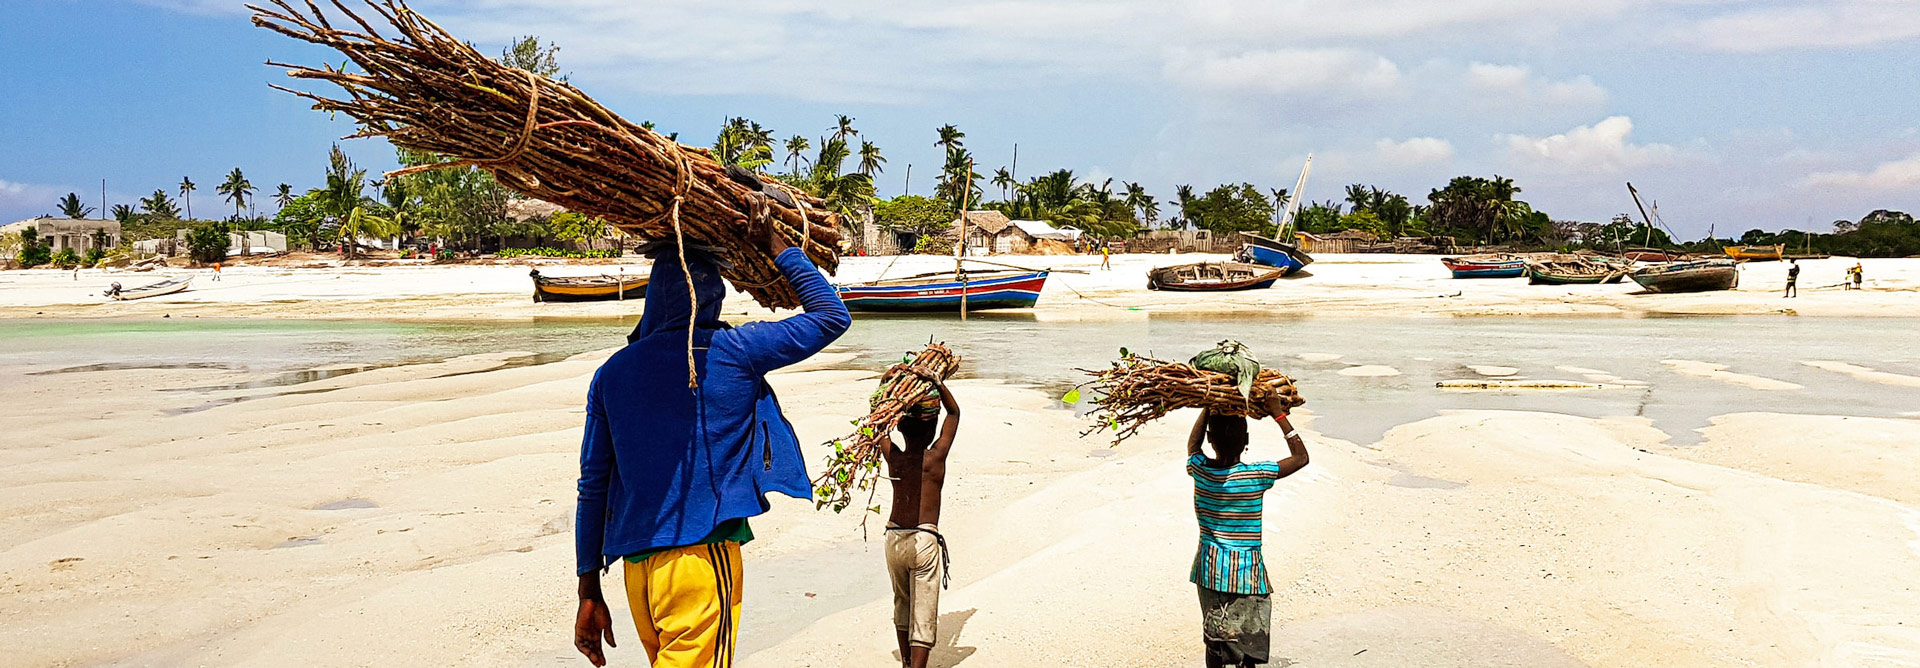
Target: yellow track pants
[686, 605]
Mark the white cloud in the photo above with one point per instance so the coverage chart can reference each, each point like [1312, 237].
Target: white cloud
[1896, 175]
[1517, 83]
[1348, 73]
[1415, 150]
[25, 200]
[1601, 147]
[1830, 24]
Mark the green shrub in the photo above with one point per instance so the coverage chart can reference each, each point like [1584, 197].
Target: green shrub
[208, 243]
[555, 252]
[66, 259]
[32, 252]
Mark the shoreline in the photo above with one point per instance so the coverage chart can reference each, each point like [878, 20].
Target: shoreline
[1359, 286]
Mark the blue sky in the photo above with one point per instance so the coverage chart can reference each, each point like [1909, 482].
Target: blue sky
[1730, 113]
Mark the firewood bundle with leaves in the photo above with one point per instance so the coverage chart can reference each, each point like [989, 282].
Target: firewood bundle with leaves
[1137, 390]
[854, 464]
[425, 90]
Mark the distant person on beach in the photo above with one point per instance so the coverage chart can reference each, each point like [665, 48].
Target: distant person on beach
[1858, 276]
[216, 271]
[1236, 613]
[916, 552]
[1793, 278]
[1106, 256]
[670, 473]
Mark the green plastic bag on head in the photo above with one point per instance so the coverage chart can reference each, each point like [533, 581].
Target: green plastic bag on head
[1233, 359]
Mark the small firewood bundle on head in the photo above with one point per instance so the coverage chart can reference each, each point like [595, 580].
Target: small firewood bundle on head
[855, 462]
[1138, 390]
[426, 90]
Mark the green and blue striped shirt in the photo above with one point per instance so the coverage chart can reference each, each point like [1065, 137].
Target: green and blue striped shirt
[1228, 503]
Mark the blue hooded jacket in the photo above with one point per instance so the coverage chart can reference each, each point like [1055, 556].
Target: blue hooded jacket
[661, 464]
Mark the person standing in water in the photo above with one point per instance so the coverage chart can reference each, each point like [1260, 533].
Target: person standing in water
[916, 552]
[1236, 611]
[671, 468]
[1793, 278]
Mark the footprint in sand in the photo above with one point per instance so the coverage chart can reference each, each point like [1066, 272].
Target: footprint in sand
[1720, 373]
[1868, 374]
[1370, 371]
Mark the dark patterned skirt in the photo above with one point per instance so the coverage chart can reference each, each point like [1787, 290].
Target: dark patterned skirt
[1238, 627]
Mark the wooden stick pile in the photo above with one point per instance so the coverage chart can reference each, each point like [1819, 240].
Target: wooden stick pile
[424, 89]
[1138, 390]
[855, 462]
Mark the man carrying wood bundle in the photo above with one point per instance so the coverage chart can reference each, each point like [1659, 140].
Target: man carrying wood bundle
[683, 438]
[1237, 616]
[916, 552]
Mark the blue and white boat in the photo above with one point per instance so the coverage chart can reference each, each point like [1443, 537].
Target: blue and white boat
[941, 292]
[1286, 257]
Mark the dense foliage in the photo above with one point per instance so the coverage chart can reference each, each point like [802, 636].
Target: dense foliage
[208, 243]
[555, 252]
[913, 213]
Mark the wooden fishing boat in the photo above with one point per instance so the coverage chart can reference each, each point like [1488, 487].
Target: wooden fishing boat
[1690, 276]
[1492, 265]
[1654, 255]
[587, 288]
[1757, 253]
[166, 287]
[1213, 277]
[941, 292]
[1286, 257]
[1576, 271]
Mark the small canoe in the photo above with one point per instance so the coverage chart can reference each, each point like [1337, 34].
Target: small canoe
[1486, 266]
[1757, 253]
[1574, 272]
[587, 288]
[1286, 257]
[1691, 276]
[166, 287]
[1213, 277]
[941, 292]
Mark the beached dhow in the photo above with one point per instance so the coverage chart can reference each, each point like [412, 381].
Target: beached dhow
[1286, 257]
[1491, 265]
[942, 292]
[166, 287]
[1692, 276]
[1573, 270]
[1212, 277]
[1757, 253]
[587, 288]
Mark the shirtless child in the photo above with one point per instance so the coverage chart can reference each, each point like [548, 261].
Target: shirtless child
[916, 553]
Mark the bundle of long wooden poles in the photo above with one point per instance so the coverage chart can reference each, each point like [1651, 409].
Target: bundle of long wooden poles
[424, 89]
[1137, 390]
[854, 464]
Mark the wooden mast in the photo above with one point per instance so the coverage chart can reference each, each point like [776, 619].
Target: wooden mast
[966, 190]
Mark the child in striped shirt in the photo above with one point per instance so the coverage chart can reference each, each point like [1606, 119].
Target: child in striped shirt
[1227, 568]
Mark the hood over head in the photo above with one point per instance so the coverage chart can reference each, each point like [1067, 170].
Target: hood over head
[667, 308]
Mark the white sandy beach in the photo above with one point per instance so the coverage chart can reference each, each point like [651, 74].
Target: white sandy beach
[1333, 285]
[420, 515]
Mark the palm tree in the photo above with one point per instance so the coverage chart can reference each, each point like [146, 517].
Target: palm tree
[1004, 180]
[160, 205]
[1139, 200]
[1183, 198]
[361, 224]
[1359, 196]
[123, 213]
[796, 146]
[186, 192]
[870, 159]
[283, 196]
[236, 189]
[833, 155]
[71, 207]
[843, 126]
[950, 137]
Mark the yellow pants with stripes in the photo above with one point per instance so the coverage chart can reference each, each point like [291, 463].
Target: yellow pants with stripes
[686, 605]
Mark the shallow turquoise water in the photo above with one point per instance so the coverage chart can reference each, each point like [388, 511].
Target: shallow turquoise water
[1021, 349]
